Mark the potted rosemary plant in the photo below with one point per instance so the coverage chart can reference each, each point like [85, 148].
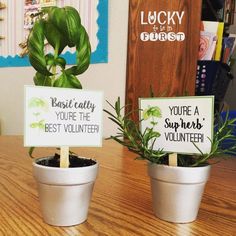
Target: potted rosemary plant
[64, 192]
[176, 190]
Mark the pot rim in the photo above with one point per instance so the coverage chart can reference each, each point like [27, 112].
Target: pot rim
[63, 169]
[179, 167]
[65, 176]
[178, 174]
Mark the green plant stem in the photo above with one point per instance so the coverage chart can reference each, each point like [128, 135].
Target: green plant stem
[134, 140]
[54, 67]
[126, 133]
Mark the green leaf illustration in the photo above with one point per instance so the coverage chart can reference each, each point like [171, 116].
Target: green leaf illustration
[152, 112]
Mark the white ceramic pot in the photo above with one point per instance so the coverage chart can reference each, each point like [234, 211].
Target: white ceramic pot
[177, 191]
[65, 193]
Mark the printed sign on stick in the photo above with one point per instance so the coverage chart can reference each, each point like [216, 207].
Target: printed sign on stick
[62, 117]
[181, 122]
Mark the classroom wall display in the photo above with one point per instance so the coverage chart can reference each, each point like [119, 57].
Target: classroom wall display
[18, 22]
[62, 117]
[2, 8]
[185, 123]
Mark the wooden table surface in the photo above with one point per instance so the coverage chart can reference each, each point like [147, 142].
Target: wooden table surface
[121, 202]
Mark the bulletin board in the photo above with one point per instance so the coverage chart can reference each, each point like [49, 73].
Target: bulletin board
[15, 26]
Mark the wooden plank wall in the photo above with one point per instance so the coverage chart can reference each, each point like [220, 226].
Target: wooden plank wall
[168, 66]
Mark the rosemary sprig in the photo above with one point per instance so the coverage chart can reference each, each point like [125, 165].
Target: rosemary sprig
[142, 143]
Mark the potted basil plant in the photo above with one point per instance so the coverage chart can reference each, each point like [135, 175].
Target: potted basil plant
[176, 190]
[64, 193]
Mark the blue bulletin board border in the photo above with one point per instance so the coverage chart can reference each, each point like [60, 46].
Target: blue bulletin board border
[100, 55]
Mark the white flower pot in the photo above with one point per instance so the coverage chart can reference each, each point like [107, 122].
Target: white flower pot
[65, 193]
[177, 191]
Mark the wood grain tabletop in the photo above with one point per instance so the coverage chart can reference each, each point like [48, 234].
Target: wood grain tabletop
[121, 202]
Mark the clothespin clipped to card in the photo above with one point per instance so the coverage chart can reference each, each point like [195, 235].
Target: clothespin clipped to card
[64, 157]
[2, 37]
[173, 159]
[23, 46]
[2, 5]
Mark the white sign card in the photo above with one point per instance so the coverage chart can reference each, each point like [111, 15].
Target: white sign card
[62, 117]
[181, 121]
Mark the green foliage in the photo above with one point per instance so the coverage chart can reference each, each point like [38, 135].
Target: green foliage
[42, 80]
[142, 144]
[130, 136]
[67, 81]
[223, 136]
[31, 150]
[59, 27]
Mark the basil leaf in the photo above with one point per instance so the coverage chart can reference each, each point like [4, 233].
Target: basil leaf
[54, 36]
[42, 80]
[35, 46]
[67, 81]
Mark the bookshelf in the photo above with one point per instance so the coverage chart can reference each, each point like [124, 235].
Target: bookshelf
[211, 10]
[218, 10]
[214, 73]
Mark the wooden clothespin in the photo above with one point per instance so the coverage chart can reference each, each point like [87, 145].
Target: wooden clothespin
[24, 52]
[24, 48]
[2, 37]
[23, 44]
[2, 5]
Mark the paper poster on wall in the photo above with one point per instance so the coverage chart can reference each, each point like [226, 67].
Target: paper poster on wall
[18, 21]
[62, 117]
[32, 8]
[181, 122]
